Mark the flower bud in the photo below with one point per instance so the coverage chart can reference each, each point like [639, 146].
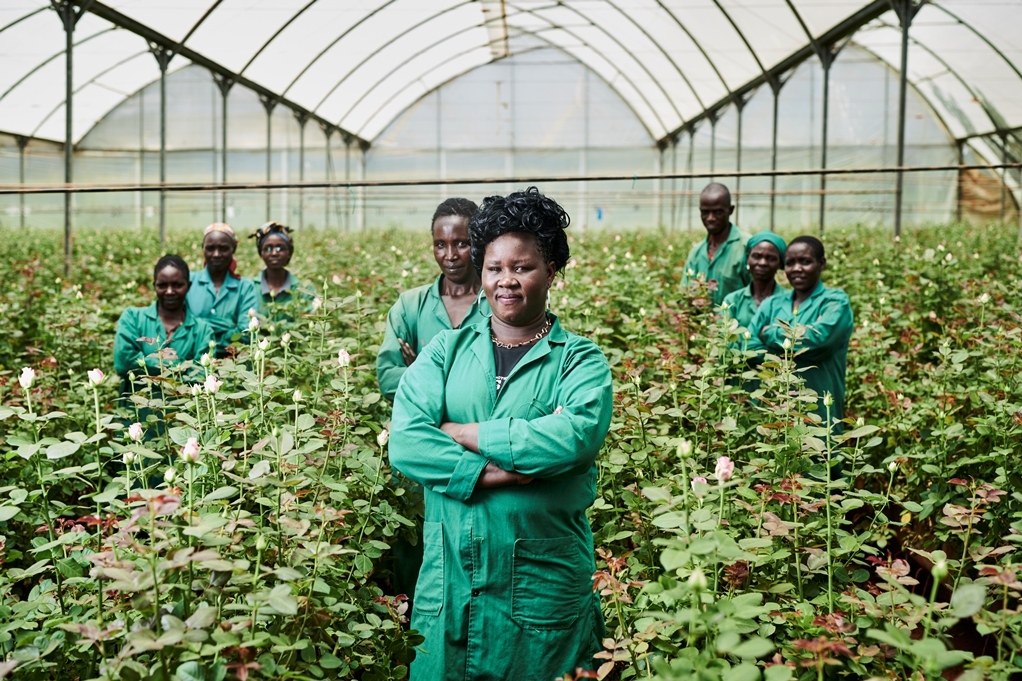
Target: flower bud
[135, 431]
[697, 487]
[96, 377]
[939, 570]
[264, 343]
[382, 437]
[27, 377]
[128, 457]
[343, 358]
[190, 452]
[212, 384]
[205, 360]
[297, 396]
[697, 580]
[828, 400]
[684, 449]
[285, 339]
[786, 344]
[261, 543]
[892, 466]
[253, 324]
[169, 475]
[725, 469]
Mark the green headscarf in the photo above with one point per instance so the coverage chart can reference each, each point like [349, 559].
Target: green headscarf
[766, 235]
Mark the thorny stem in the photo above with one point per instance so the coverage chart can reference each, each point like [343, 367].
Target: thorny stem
[830, 525]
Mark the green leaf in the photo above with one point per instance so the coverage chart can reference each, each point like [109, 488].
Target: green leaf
[8, 512]
[282, 601]
[363, 564]
[328, 661]
[181, 434]
[225, 492]
[61, 449]
[191, 671]
[777, 672]
[201, 618]
[967, 600]
[743, 672]
[753, 648]
[306, 421]
[861, 431]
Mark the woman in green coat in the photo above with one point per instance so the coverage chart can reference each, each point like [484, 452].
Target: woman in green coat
[826, 317]
[450, 302]
[764, 255]
[218, 295]
[162, 335]
[281, 295]
[501, 422]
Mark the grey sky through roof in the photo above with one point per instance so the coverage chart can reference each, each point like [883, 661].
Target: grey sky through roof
[358, 64]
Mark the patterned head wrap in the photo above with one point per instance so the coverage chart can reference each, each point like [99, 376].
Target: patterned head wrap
[270, 228]
[221, 227]
[769, 237]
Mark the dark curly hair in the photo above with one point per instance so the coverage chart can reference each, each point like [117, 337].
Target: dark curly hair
[175, 261]
[815, 245]
[454, 206]
[527, 211]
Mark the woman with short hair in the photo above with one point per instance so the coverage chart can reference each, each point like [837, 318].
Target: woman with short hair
[501, 422]
[218, 295]
[824, 313]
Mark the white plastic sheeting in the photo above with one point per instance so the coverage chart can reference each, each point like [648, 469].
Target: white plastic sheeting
[360, 63]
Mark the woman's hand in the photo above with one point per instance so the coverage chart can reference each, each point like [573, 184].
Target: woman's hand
[407, 353]
[465, 434]
[493, 477]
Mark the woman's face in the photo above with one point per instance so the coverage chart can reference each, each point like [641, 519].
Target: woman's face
[452, 250]
[218, 249]
[802, 268]
[516, 279]
[171, 286]
[275, 252]
[764, 261]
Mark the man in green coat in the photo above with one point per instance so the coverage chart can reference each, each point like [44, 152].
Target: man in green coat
[720, 257]
[504, 591]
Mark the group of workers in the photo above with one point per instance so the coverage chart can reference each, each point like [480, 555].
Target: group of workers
[499, 412]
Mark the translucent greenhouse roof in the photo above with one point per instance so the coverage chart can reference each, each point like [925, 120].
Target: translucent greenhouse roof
[357, 64]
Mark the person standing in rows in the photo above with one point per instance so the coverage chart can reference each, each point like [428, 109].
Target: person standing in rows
[826, 317]
[720, 257]
[764, 255]
[450, 302]
[501, 422]
[217, 294]
[281, 295]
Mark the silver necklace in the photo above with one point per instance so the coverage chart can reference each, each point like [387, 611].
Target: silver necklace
[508, 346]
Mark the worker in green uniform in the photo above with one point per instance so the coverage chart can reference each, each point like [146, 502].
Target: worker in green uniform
[450, 302]
[826, 316]
[218, 295]
[719, 259]
[501, 422]
[281, 295]
[764, 255]
[164, 334]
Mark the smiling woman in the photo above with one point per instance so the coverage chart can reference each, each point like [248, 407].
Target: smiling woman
[163, 334]
[501, 423]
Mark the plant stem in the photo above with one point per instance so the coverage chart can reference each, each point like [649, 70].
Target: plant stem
[49, 530]
[830, 522]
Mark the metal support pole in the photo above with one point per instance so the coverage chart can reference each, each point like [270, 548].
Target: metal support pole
[714, 117]
[826, 61]
[347, 176]
[740, 106]
[958, 197]
[22, 142]
[658, 195]
[69, 17]
[269, 103]
[1004, 176]
[775, 87]
[302, 119]
[674, 183]
[163, 57]
[691, 181]
[328, 131]
[906, 12]
[225, 84]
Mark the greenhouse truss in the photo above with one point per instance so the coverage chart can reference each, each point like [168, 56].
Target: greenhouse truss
[351, 69]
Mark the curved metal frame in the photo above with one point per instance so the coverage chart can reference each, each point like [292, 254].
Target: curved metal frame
[21, 19]
[273, 37]
[706, 56]
[55, 56]
[979, 35]
[548, 44]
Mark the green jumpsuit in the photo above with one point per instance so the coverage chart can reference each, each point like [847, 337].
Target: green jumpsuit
[140, 335]
[417, 316]
[293, 299]
[727, 267]
[827, 314]
[505, 590]
[225, 310]
[742, 306]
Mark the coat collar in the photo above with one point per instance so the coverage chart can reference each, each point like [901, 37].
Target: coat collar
[151, 313]
[203, 278]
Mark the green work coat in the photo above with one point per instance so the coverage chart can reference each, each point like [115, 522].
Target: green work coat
[417, 316]
[742, 306]
[295, 298]
[827, 316]
[140, 336]
[505, 590]
[225, 310]
[728, 267]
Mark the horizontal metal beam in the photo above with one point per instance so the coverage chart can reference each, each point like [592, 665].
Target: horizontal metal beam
[156, 38]
[842, 30]
[8, 189]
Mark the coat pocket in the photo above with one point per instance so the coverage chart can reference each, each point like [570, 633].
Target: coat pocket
[429, 589]
[549, 582]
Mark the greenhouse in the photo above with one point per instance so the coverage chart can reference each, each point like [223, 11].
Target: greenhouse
[291, 93]
[519, 340]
